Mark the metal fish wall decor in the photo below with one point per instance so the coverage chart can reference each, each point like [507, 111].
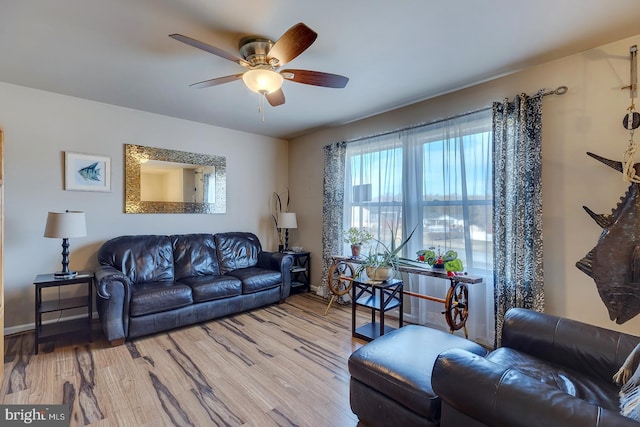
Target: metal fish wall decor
[614, 263]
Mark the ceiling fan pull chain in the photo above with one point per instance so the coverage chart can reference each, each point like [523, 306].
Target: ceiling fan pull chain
[261, 98]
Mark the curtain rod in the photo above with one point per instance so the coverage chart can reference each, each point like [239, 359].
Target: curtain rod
[417, 125]
[560, 90]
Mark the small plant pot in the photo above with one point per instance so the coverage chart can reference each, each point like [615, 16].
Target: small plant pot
[355, 250]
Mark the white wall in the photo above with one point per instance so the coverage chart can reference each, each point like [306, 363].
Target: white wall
[40, 126]
[587, 118]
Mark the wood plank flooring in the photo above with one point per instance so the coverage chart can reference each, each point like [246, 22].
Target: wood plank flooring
[281, 365]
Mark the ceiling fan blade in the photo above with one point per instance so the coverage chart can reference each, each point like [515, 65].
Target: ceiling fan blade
[292, 43]
[216, 81]
[275, 98]
[315, 78]
[211, 49]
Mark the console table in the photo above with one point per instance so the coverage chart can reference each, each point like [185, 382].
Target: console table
[456, 303]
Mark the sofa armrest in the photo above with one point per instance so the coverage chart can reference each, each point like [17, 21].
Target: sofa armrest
[280, 262]
[498, 395]
[113, 293]
[587, 348]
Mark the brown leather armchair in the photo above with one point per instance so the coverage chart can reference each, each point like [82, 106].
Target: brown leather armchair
[549, 371]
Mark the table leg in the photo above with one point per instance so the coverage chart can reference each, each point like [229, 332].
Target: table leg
[329, 306]
[382, 307]
[400, 315]
[353, 309]
[90, 308]
[38, 323]
[373, 310]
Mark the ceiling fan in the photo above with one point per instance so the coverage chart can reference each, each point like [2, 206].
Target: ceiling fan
[263, 59]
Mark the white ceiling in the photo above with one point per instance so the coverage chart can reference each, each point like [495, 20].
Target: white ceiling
[395, 53]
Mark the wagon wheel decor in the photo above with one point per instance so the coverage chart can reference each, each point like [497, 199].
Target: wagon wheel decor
[457, 307]
[339, 280]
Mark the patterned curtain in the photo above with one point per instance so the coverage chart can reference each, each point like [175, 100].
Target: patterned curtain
[517, 212]
[332, 207]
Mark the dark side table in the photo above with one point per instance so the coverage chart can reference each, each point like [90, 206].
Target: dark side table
[80, 326]
[301, 271]
[380, 297]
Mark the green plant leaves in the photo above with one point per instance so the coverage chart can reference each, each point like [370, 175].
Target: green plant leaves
[453, 265]
[449, 256]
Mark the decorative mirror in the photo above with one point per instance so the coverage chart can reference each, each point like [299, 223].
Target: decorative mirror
[159, 180]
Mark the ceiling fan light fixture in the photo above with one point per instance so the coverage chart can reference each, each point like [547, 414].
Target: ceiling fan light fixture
[261, 58]
[262, 81]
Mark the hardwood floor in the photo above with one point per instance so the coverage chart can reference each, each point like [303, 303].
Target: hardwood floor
[282, 365]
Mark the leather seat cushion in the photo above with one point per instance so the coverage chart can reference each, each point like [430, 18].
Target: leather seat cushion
[255, 279]
[207, 288]
[399, 364]
[591, 389]
[155, 297]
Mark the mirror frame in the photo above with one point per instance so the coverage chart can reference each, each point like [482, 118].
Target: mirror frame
[133, 154]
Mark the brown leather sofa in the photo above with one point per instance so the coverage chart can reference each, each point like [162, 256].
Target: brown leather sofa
[151, 283]
[549, 371]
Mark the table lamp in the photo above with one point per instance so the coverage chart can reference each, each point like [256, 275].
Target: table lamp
[64, 225]
[287, 220]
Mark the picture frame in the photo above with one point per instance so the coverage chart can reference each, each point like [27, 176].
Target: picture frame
[87, 172]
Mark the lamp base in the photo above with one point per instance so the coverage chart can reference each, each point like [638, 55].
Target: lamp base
[65, 274]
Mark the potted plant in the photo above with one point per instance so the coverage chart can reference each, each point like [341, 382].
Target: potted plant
[275, 204]
[448, 260]
[356, 237]
[382, 264]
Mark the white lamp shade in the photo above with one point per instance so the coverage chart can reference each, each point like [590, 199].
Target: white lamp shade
[287, 220]
[64, 225]
[262, 81]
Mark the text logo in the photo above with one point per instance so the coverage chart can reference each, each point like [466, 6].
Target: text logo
[34, 415]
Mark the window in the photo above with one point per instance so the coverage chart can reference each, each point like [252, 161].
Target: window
[457, 200]
[373, 193]
[438, 179]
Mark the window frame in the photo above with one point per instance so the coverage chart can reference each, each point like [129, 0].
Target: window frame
[424, 134]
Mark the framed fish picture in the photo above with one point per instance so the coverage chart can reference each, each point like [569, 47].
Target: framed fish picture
[87, 172]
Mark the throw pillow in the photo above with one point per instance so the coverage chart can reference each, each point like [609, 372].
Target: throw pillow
[629, 376]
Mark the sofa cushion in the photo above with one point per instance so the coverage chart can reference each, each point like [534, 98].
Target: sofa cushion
[154, 297]
[575, 383]
[194, 255]
[236, 250]
[206, 288]
[255, 279]
[141, 258]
